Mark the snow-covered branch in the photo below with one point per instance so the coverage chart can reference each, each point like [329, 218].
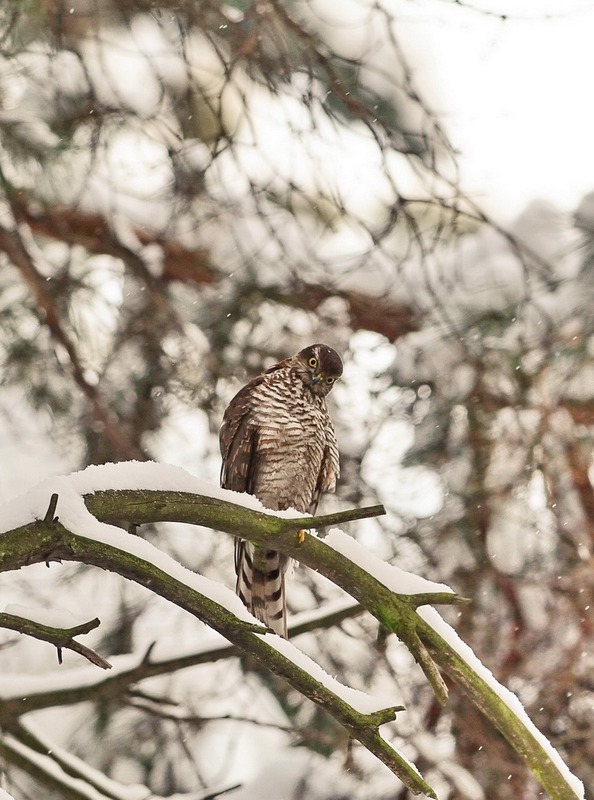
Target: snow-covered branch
[21, 694]
[68, 775]
[393, 596]
[77, 535]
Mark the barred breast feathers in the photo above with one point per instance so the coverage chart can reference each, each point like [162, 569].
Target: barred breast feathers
[278, 443]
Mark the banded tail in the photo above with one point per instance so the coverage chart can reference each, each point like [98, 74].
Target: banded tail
[261, 584]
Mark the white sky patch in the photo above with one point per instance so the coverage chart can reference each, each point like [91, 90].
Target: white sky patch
[333, 607]
[394, 578]
[130, 180]
[284, 144]
[93, 307]
[519, 118]
[174, 444]
[118, 63]
[372, 352]
[27, 452]
[431, 616]
[295, 772]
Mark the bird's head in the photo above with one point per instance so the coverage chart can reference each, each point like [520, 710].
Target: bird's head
[319, 367]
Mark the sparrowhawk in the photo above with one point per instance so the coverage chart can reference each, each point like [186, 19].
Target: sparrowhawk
[278, 443]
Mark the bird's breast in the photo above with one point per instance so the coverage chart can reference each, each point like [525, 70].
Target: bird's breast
[291, 432]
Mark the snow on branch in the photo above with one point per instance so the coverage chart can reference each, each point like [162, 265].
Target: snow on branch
[22, 693]
[64, 773]
[144, 492]
[75, 534]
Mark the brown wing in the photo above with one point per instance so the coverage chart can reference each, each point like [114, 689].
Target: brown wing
[238, 440]
[329, 472]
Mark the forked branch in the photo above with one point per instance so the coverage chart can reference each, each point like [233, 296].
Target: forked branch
[434, 644]
[61, 638]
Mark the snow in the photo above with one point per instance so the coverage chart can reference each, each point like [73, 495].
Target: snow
[5, 796]
[431, 616]
[364, 703]
[127, 475]
[91, 775]
[83, 785]
[23, 685]
[394, 578]
[75, 516]
[151, 476]
[413, 767]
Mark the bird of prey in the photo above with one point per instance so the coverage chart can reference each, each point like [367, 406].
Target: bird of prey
[278, 443]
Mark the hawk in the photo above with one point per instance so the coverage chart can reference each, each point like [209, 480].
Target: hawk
[278, 443]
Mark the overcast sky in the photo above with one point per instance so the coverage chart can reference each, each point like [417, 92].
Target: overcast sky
[515, 94]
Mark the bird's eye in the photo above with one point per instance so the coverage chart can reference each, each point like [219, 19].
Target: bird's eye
[313, 362]
[329, 379]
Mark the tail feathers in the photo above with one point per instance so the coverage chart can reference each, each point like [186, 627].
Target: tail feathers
[261, 584]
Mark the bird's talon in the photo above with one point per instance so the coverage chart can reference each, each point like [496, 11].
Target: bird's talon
[301, 536]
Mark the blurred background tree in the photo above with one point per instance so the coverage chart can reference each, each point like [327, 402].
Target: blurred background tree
[191, 191]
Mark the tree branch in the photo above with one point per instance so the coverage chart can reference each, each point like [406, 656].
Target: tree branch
[251, 639]
[141, 506]
[42, 541]
[92, 231]
[395, 611]
[68, 776]
[61, 638]
[85, 687]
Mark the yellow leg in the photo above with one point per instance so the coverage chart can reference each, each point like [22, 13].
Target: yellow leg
[301, 536]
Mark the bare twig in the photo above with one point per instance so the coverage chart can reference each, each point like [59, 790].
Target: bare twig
[61, 638]
[51, 509]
